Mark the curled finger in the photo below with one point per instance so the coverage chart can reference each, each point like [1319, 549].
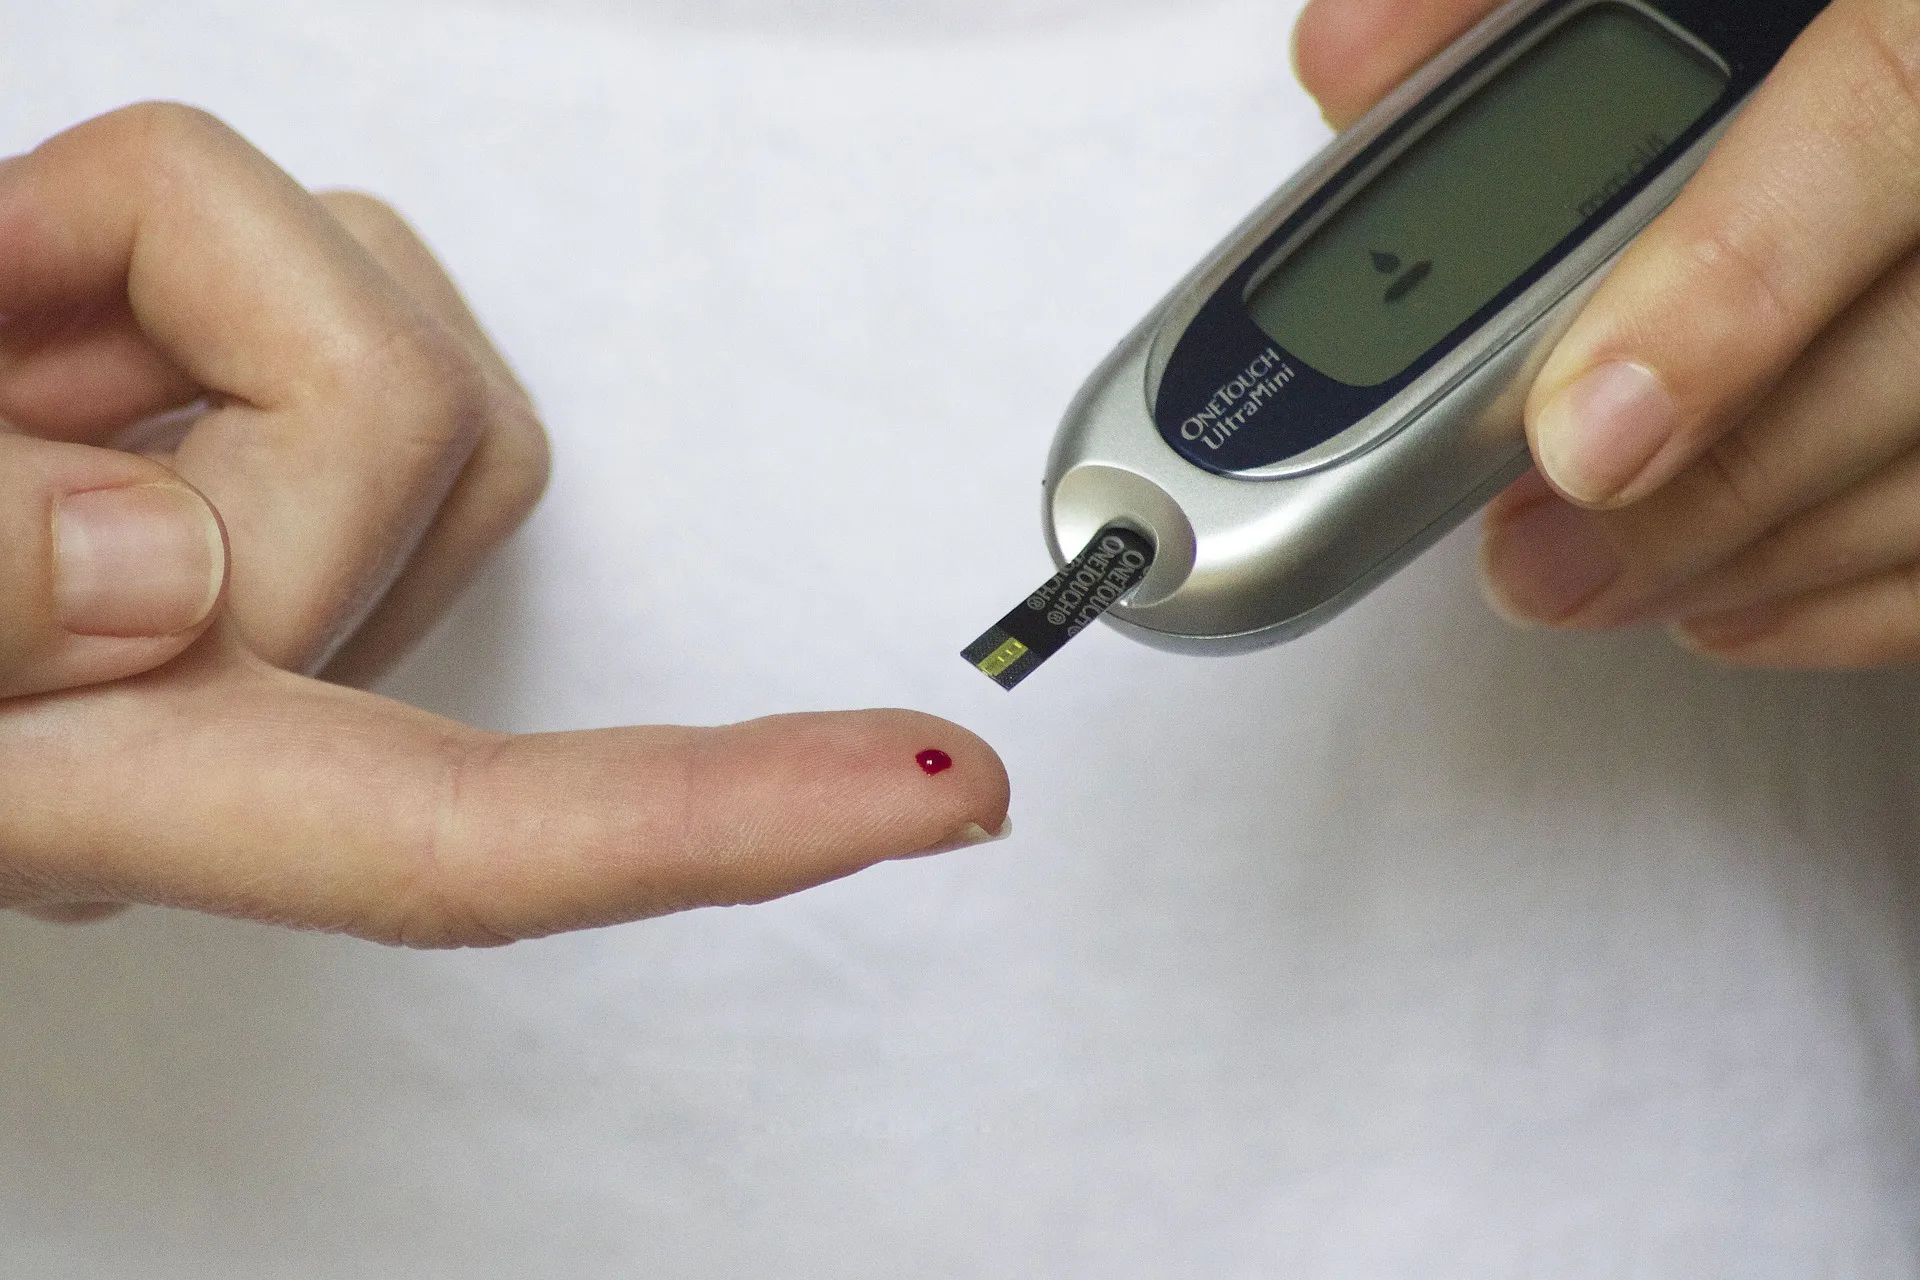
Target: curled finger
[1843, 414]
[342, 412]
[1858, 625]
[498, 487]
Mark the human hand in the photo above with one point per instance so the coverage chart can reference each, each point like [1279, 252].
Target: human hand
[364, 448]
[1726, 439]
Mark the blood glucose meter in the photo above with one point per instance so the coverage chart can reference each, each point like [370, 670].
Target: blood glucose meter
[1341, 381]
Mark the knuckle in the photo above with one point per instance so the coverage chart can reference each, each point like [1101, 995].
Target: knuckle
[437, 907]
[361, 206]
[167, 123]
[519, 461]
[421, 381]
[166, 134]
[157, 143]
[368, 218]
[1743, 270]
[718, 844]
[711, 837]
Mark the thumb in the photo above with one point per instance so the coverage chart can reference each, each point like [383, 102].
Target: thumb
[110, 565]
[1810, 198]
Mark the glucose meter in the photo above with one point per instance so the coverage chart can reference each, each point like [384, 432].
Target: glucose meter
[1341, 381]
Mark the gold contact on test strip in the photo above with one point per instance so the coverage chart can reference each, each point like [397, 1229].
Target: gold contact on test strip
[1003, 657]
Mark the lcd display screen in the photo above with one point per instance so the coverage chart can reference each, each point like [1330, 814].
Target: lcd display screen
[1485, 194]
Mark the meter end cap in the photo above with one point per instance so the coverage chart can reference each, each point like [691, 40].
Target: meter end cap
[1093, 497]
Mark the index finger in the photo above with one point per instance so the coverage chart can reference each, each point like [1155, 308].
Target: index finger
[1811, 196]
[225, 785]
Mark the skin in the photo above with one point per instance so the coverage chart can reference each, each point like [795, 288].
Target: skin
[1773, 517]
[365, 449]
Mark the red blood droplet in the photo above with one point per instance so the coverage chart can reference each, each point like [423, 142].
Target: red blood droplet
[934, 761]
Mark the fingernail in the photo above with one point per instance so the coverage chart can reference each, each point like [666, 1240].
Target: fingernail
[1598, 435]
[142, 561]
[1718, 632]
[1544, 562]
[968, 837]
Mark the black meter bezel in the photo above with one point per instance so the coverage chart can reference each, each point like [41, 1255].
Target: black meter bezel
[1222, 343]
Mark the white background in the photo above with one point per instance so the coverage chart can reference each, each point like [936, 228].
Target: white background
[1417, 948]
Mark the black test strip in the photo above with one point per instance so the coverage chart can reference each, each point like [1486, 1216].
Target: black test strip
[1112, 565]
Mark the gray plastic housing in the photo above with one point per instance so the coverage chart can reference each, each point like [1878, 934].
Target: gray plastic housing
[1247, 561]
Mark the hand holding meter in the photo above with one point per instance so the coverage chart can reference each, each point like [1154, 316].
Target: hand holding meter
[1341, 382]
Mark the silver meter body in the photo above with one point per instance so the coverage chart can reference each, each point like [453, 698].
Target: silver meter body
[1340, 383]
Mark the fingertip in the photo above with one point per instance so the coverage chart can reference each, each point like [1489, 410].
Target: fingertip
[1333, 43]
[1524, 492]
[575, 831]
[1702, 645]
[1349, 54]
[1492, 594]
[1547, 562]
[930, 778]
[1609, 436]
[854, 788]
[1508, 506]
[964, 774]
[1737, 638]
[971, 836]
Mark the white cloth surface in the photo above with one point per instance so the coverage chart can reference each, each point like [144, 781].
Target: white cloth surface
[1417, 948]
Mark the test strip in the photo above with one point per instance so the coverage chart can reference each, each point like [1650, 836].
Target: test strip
[1099, 578]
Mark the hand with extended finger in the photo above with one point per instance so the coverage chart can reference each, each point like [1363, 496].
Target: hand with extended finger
[354, 448]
